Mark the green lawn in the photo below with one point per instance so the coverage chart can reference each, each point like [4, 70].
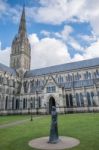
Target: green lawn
[85, 127]
[9, 119]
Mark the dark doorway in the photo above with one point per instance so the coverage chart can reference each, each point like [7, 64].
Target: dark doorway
[51, 103]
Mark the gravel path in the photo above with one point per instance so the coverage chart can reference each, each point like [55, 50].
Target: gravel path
[16, 123]
[13, 123]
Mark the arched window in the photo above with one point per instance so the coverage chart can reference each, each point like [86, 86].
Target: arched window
[89, 75]
[17, 103]
[12, 103]
[88, 99]
[77, 76]
[60, 79]
[69, 77]
[24, 103]
[32, 86]
[67, 101]
[26, 86]
[92, 99]
[78, 100]
[97, 74]
[6, 103]
[19, 85]
[71, 100]
[39, 102]
[81, 99]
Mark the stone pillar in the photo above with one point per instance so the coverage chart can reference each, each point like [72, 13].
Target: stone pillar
[0, 103]
[10, 103]
[74, 98]
[22, 88]
[10, 98]
[85, 98]
[3, 102]
[63, 99]
[28, 103]
[21, 102]
[95, 96]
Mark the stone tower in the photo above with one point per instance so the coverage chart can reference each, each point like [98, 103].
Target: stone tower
[20, 57]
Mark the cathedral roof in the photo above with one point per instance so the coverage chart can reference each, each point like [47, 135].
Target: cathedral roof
[63, 67]
[7, 69]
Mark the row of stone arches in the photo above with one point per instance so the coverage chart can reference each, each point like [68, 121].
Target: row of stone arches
[79, 97]
[22, 104]
[80, 100]
[14, 104]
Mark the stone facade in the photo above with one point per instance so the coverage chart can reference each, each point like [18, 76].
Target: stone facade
[72, 87]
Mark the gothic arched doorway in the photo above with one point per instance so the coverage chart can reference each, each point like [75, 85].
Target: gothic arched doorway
[51, 103]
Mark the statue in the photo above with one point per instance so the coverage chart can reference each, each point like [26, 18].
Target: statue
[53, 138]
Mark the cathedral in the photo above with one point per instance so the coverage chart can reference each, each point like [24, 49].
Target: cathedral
[71, 87]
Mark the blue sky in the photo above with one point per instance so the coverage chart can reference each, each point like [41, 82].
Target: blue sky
[59, 31]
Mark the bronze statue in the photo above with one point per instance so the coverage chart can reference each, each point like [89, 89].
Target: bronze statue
[53, 138]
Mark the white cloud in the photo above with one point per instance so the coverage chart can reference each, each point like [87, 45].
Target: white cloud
[65, 36]
[5, 56]
[50, 51]
[88, 38]
[44, 52]
[77, 57]
[47, 52]
[0, 45]
[3, 6]
[33, 38]
[8, 12]
[91, 52]
[45, 33]
[75, 45]
[65, 33]
[57, 11]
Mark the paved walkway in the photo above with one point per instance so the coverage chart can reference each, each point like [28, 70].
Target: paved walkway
[16, 123]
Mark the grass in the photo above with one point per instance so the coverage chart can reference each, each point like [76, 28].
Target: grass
[9, 119]
[85, 127]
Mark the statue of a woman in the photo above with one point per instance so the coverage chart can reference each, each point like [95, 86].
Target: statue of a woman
[53, 138]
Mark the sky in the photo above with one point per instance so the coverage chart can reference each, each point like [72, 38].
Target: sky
[59, 31]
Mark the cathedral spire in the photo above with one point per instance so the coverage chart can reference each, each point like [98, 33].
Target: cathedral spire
[20, 57]
[22, 26]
